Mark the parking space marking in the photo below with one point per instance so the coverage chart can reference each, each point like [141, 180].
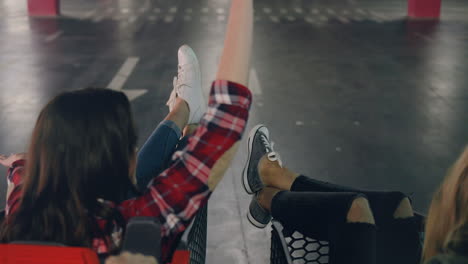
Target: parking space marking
[267, 10]
[53, 36]
[169, 19]
[122, 75]
[274, 19]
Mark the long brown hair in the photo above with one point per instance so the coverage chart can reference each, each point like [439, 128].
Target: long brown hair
[447, 221]
[80, 152]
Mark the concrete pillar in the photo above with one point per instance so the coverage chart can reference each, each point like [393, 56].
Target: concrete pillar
[44, 7]
[424, 9]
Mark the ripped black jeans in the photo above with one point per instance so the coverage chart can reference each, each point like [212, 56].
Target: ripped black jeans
[318, 210]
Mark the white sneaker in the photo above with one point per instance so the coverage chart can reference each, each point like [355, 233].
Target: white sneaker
[187, 85]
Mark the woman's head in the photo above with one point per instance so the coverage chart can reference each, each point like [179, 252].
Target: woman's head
[447, 222]
[82, 149]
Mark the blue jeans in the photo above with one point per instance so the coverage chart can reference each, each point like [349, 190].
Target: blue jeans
[156, 153]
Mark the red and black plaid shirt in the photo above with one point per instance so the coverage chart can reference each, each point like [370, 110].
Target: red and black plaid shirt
[176, 194]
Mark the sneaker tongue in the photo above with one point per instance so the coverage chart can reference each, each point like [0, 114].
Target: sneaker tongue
[265, 143]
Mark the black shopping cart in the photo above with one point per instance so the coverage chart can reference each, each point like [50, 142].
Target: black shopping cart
[292, 247]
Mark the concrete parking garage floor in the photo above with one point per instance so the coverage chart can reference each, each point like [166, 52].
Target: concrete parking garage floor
[352, 92]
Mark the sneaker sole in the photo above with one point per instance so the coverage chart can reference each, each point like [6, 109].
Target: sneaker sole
[198, 73]
[252, 133]
[255, 222]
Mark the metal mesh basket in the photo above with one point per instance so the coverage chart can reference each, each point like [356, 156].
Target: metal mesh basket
[196, 241]
[292, 247]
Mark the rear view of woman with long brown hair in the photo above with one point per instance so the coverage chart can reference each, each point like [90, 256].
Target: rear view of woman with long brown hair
[74, 184]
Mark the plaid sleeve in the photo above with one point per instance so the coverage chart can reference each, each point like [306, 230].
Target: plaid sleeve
[14, 180]
[177, 193]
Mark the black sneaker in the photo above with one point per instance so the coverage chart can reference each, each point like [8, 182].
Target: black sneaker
[256, 215]
[258, 145]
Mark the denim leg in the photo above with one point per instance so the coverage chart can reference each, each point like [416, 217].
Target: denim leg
[155, 154]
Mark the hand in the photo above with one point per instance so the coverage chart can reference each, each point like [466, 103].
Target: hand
[8, 161]
[129, 258]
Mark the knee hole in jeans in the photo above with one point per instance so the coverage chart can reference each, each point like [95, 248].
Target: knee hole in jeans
[360, 212]
[404, 209]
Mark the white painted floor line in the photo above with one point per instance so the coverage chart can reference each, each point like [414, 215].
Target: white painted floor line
[98, 18]
[343, 20]
[134, 94]
[254, 83]
[121, 78]
[173, 10]
[168, 19]
[122, 75]
[267, 10]
[132, 19]
[54, 36]
[360, 11]
[89, 14]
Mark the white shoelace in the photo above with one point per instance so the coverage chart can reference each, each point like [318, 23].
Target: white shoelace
[180, 71]
[171, 101]
[272, 155]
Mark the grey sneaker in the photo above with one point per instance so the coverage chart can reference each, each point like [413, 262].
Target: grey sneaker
[258, 216]
[258, 145]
